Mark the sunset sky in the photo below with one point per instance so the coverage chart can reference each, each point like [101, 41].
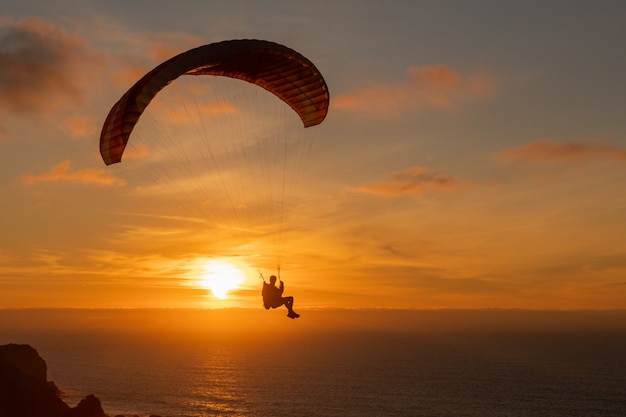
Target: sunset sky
[474, 156]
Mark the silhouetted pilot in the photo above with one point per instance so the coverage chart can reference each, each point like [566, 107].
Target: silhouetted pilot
[273, 297]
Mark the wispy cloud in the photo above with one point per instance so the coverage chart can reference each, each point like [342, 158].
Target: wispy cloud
[415, 180]
[139, 151]
[82, 126]
[438, 87]
[549, 152]
[62, 173]
[56, 68]
[168, 45]
[154, 49]
[126, 76]
[39, 64]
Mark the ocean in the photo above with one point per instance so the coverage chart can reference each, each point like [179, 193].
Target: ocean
[332, 363]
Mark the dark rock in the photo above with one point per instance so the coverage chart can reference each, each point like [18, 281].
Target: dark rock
[88, 407]
[26, 359]
[24, 391]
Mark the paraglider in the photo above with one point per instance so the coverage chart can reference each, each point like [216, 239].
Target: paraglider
[277, 69]
[273, 67]
[273, 297]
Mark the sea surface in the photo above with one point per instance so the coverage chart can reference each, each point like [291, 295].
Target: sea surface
[339, 363]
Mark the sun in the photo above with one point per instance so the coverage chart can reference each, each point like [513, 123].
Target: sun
[220, 277]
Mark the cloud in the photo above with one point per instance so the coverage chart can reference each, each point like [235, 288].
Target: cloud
[126, 76]
[161, 49]
[82, 126]
[547, 152]
[415, 180]
[39, 66]
[151, 49]
[139, 151]
[439, 87]
[62, 69]
[62, 173]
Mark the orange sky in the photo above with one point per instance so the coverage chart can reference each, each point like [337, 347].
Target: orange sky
[468, 160]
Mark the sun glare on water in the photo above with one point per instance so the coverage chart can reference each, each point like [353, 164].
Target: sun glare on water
[220, 277]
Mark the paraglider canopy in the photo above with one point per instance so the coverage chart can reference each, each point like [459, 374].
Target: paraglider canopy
[226, 142]
[278, 69]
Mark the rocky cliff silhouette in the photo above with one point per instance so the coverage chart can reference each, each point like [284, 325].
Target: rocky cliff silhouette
[26, 392]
